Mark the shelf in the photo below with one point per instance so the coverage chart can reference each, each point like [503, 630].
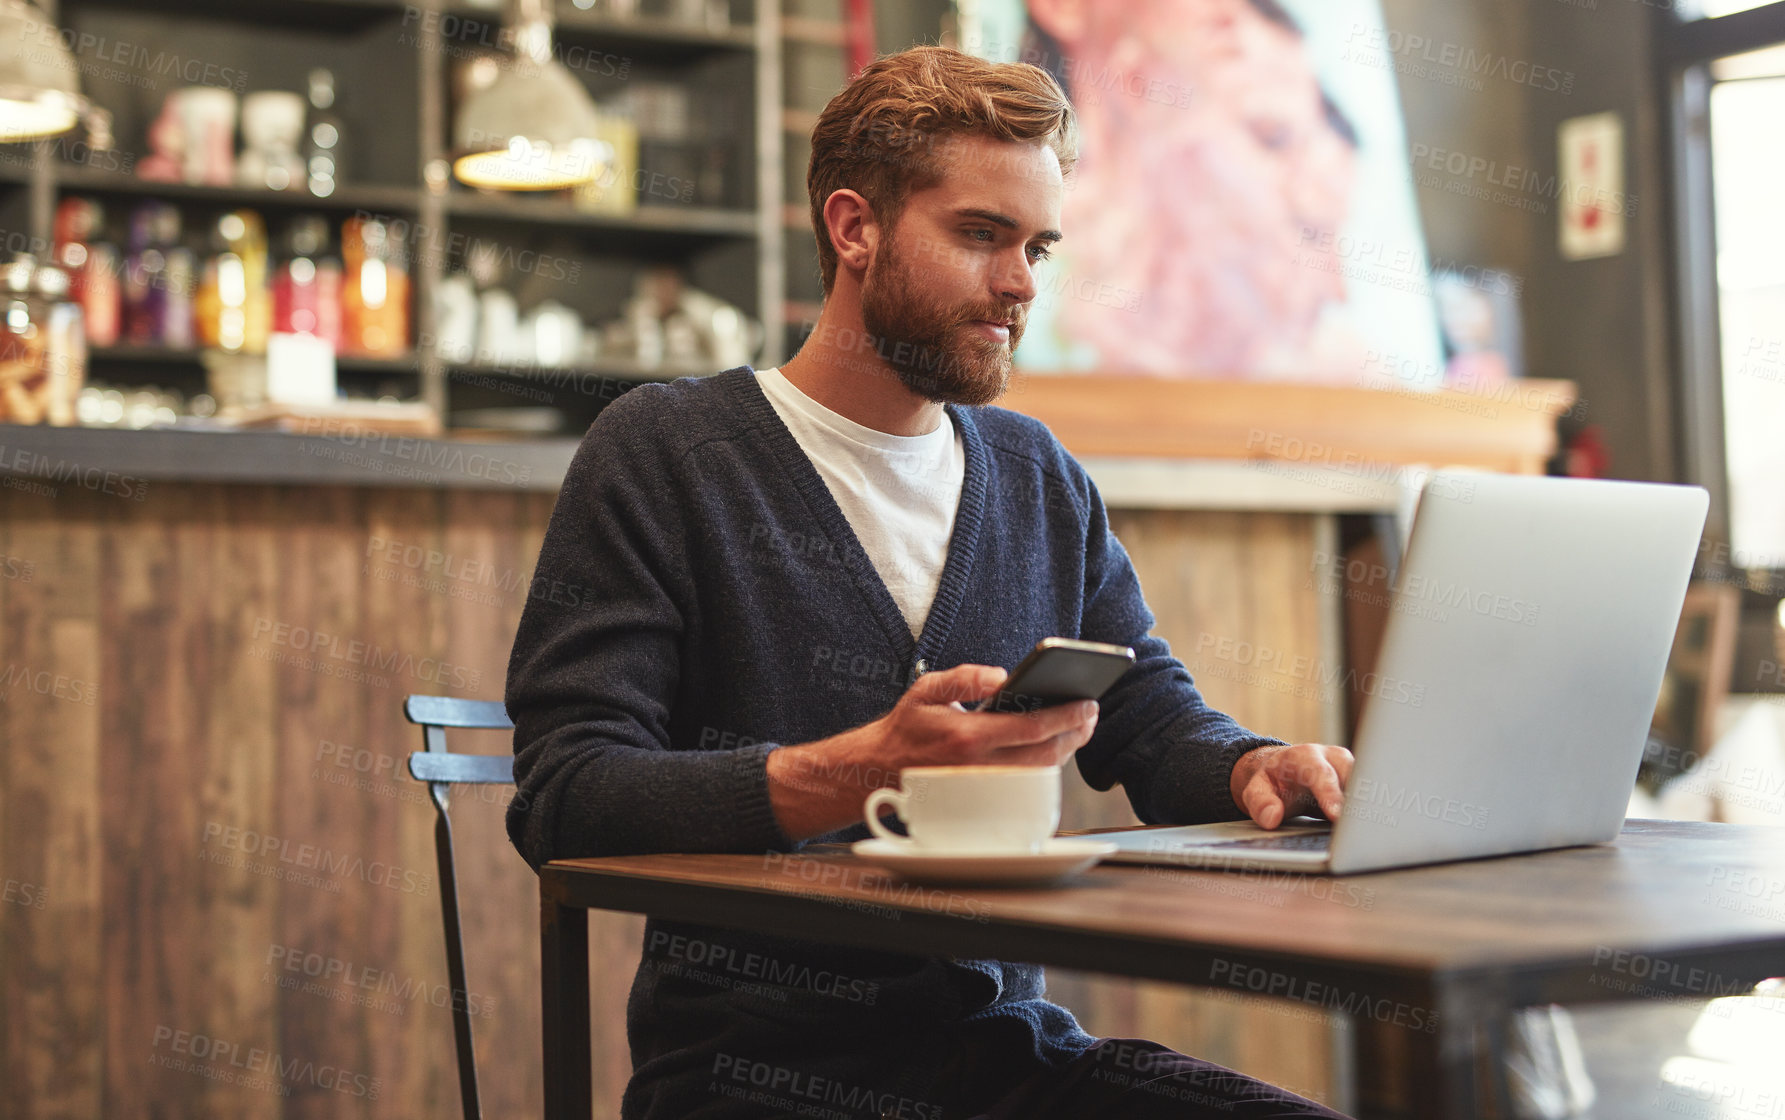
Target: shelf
[620, 369]
[379, 199]
[730, 247]
[690, 221]
[132, 354]
[656, 37]
[288, 458]
[645, 33]
[309, 15]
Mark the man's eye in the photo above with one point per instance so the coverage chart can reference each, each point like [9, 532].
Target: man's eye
[975, 234]
[1039, 253]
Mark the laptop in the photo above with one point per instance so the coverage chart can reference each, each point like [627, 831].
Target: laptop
[1511, 700]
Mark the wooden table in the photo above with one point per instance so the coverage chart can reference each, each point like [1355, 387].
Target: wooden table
[1433, 959]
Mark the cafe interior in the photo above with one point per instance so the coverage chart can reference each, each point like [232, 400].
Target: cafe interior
[1426, 359]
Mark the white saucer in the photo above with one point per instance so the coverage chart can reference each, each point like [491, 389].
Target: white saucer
[1059, 858]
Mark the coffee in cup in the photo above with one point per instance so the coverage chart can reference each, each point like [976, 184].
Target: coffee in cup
[979, 809]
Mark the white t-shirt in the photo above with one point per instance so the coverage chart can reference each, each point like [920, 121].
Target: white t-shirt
[899, 493]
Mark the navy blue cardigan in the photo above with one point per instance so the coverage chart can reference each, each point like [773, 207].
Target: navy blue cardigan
[711, 603]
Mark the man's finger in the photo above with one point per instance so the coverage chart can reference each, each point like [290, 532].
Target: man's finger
[1055, 752]
[958, 685]
[1262, 803]
[1327, 791]
[1021, 729]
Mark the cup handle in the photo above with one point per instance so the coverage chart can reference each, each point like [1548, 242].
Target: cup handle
[880, 797]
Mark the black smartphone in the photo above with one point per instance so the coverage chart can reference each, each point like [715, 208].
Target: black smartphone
[1059, 670]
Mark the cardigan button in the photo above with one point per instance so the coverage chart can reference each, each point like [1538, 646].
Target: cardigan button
[921, 667]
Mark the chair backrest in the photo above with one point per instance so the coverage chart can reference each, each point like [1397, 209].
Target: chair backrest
[440, 769]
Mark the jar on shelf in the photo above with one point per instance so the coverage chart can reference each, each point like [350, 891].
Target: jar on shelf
[43, 345]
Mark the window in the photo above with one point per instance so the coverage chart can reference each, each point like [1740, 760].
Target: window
[1711, 9]
[1748, 197]
[1725, 70]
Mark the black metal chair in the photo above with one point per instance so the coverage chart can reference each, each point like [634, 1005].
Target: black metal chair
[440, 768]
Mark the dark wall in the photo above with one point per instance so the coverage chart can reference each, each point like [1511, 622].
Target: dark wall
[1600, 323]
[1605, 323]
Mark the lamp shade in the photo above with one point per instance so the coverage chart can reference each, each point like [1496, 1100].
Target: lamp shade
[40, 93]
[533, 129]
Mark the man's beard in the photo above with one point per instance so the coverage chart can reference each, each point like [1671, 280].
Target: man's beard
[936, 351]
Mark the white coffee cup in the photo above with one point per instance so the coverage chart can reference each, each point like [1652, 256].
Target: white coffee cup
[991, 809]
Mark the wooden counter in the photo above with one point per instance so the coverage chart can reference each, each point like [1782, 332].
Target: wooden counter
[209, 841]
[1507, 427]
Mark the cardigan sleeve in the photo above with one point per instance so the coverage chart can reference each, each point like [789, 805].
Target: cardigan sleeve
[595, 669]
[1172, 752]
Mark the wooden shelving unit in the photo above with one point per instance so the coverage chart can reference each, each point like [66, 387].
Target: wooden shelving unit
[73, 179]
[673, 221]
[152, 356]
[393, 62]
[814, 37]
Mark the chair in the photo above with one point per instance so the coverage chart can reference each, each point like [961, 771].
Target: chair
[440, 768]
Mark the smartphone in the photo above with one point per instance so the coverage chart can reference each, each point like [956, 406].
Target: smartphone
[1059, 670]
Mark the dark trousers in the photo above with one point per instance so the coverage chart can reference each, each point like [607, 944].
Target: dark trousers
[1133, 1079]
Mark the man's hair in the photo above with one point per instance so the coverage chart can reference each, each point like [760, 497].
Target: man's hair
[881, 135]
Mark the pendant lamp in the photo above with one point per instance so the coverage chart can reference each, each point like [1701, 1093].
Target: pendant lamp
[40, 90]
[534, 128]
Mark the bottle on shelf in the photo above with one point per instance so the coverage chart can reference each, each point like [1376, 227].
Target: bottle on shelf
[324, 136]
[156, 297]
[65, 345]
[455, 318]
[92, 267]
[234, 309]
[307, 283]
[375, 291]
[180, 275]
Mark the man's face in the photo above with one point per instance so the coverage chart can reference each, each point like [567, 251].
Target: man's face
[948, 288]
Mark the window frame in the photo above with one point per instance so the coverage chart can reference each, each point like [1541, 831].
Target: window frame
[1685, 50]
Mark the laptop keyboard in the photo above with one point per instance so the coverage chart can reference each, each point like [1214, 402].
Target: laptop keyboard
[1297, 842]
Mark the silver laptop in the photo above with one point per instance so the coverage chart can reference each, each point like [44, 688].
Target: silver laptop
[1509, 706]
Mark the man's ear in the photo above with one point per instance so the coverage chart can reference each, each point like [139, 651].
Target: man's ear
[855, 234]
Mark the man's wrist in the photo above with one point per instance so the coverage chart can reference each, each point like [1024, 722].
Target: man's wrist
[821, 786]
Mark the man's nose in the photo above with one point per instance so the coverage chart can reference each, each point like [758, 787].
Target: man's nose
[1016, 280]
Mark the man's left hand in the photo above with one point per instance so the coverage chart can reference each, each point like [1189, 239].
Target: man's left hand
[1275, 783]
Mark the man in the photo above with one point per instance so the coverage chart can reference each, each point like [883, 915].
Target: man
[793, 579]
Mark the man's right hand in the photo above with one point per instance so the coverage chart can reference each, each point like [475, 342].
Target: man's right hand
[819, 787]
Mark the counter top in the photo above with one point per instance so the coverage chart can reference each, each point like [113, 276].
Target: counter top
[334, 457]
[91, 456]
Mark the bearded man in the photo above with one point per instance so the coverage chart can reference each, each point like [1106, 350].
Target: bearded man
[795, 578]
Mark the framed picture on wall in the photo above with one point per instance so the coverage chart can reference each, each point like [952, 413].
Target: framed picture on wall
[1242, 207]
